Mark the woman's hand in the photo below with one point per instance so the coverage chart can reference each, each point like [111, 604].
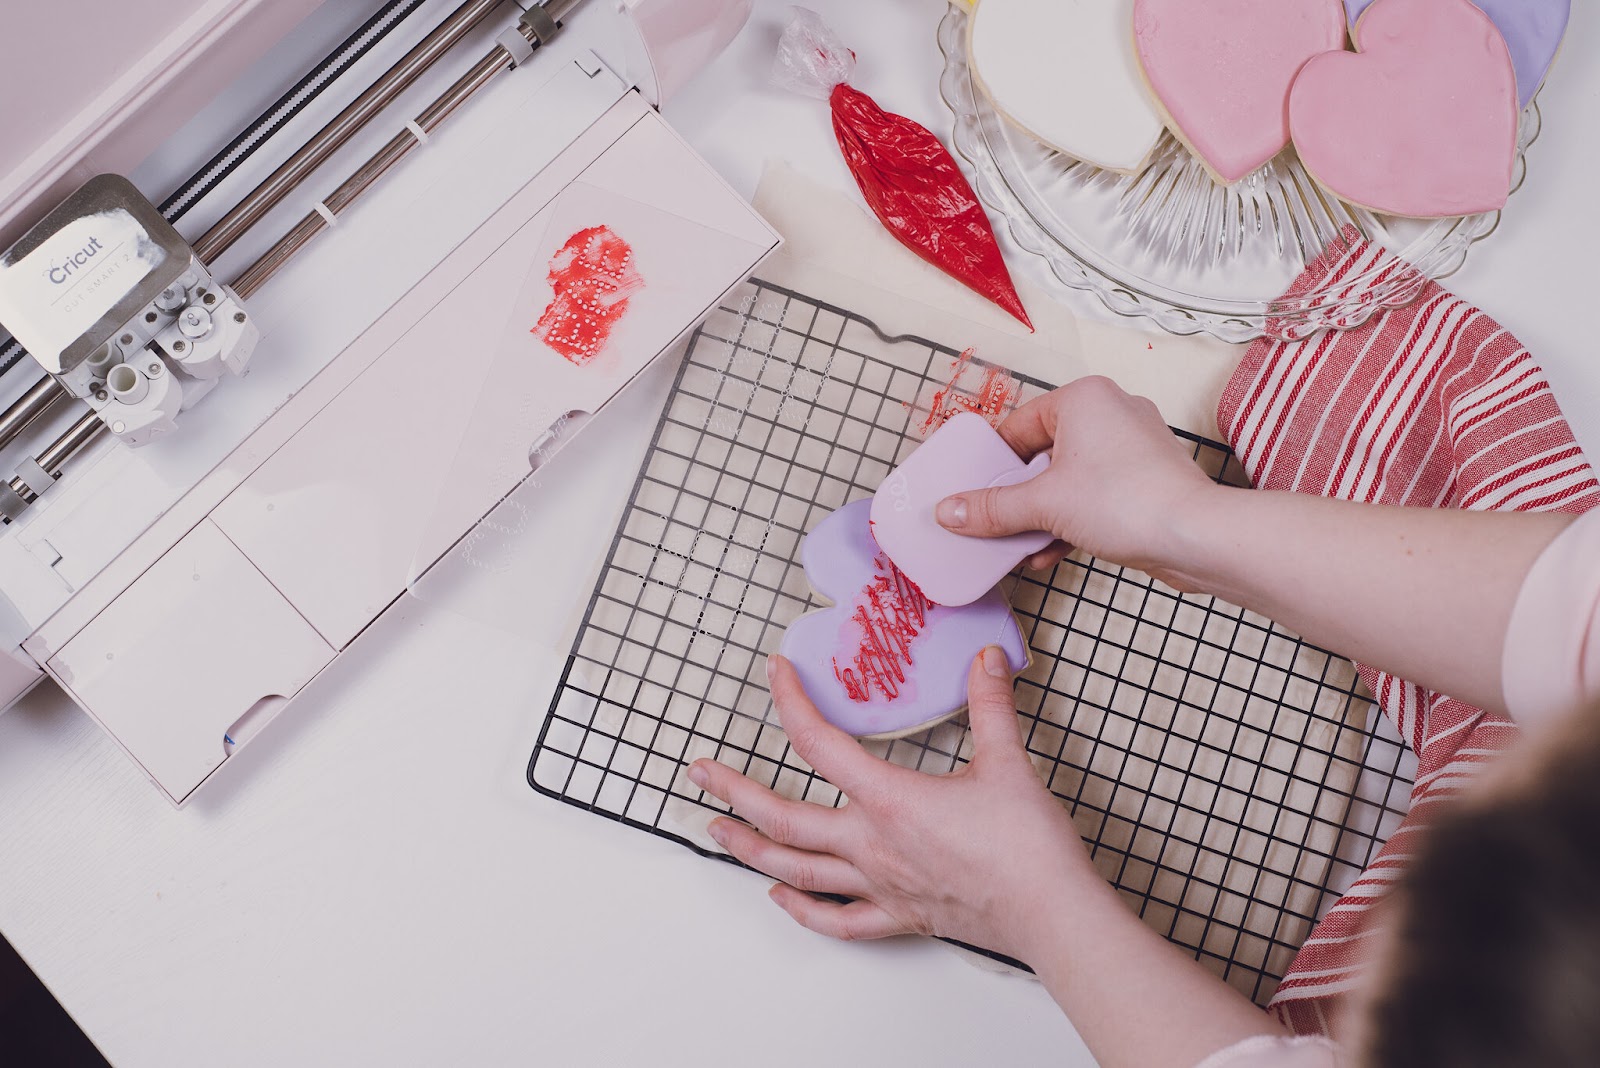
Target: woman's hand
[985, 855]
[978, 855]
[1423, 593]
[1117, 483]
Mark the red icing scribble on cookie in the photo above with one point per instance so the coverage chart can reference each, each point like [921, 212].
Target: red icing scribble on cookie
[891, 612]
[591, 276]
[995, 394]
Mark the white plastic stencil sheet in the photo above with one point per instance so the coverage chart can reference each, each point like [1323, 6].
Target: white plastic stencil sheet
[573, 307]
[1213, 761]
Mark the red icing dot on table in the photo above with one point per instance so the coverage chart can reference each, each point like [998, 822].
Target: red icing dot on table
[995, 394]
[591, 277]
[891, 611]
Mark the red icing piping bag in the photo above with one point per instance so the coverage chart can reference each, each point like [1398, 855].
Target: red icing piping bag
[909, 179]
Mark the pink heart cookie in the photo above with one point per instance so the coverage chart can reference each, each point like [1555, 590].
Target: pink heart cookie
[1222, 71]
[1533, 30]
[1422, 121]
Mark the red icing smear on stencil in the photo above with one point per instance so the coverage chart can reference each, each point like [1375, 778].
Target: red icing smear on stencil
[591, 277]
[913, 185]
[995, 394]
[891, 611]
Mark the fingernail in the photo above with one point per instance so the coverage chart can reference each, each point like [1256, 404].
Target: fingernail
[697, 775]
[772, 668]
[995, 663]
[718, 831]
[951, 512]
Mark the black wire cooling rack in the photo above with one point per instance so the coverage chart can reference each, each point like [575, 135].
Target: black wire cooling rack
[1229, 778]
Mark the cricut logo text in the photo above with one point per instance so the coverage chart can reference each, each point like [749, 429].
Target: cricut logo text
[60, 272]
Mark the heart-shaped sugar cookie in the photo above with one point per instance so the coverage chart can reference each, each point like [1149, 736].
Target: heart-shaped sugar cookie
[1422, 121]
[1533, 30]
[1222, 71]
[883, 661]
[1064, 70]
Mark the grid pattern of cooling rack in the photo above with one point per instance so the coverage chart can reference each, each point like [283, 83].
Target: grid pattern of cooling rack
[1229, 778]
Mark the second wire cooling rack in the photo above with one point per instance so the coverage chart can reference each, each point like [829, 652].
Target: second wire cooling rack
[1229, 778]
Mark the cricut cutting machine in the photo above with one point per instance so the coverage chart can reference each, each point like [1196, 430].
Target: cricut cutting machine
[245, 419]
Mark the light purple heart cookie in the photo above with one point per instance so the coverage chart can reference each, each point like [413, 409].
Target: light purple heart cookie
[1533, 30]
[883, 661]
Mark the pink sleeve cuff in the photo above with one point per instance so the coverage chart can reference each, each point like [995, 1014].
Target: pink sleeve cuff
[1551, 664]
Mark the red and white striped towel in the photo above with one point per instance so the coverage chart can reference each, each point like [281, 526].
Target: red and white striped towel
[1430, 405]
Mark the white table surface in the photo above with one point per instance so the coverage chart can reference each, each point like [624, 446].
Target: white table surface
[373, 882]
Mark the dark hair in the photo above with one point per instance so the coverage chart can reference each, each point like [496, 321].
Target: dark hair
[1495, 952]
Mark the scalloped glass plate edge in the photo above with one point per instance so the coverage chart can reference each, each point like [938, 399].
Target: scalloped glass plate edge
[1352, 303]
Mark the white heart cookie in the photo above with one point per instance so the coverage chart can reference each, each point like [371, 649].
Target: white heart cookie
[1066, 72]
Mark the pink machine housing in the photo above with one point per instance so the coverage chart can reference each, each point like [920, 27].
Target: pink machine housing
[182, 593]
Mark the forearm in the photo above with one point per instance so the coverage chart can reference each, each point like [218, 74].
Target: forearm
[1134, 998]
[1423, 593]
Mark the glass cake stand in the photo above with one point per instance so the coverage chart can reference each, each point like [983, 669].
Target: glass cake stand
[1171, 245]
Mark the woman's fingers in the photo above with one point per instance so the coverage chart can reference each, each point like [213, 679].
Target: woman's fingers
[994, 513]
[817, 873]
[992, 707]
[851, 922]
[787, 822]
[835, 755]
[1031, 429]
[1048, 557]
